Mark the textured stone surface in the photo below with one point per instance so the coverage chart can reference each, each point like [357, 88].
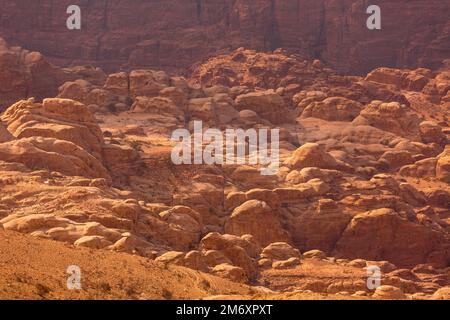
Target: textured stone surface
[362, 182]
[24, 74]
[175, 33]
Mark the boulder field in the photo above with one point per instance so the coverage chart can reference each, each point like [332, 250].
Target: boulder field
[364, 177]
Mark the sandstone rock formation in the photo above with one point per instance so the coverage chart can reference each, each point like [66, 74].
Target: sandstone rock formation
[373, 225]
[26, 74]
[178, 33]
[251, 218]
[58, 135]
[363, 177]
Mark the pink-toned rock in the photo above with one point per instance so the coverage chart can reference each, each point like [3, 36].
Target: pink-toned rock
[280, 251]
[443, 166]
[62, 119]
[374, 229]
[391, 117]
[252, 217]
[267, 104]
[333, 109]
[311, 155]
[233, 273]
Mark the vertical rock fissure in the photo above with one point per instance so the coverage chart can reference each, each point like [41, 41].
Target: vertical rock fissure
[274, 35]
[321, 39]
[199, 11]
[105, 15]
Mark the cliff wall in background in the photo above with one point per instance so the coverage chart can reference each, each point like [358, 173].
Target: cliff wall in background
[172, 34]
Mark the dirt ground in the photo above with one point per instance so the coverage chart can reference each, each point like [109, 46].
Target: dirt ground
[34, 268]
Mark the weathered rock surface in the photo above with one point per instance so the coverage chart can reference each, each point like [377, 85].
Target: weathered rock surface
[397, 240]
[26, 74]
[136, 34]
[252, 217]
[362, 179]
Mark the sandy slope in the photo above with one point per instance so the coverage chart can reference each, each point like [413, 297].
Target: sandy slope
[36, 269]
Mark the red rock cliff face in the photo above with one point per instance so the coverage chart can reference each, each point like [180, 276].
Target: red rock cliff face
[172, 34]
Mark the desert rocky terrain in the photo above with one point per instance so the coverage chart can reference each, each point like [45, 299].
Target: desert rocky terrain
[86, 179]
[173, 34]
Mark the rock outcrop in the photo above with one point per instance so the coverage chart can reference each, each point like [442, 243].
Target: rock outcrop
[362, 181]
[26, 74]
[400, 241]
[177, 33]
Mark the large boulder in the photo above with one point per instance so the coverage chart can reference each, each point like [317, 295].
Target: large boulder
[233, 273]
[383, 234]
[311, 155]
[118, 84]
[397, 158]
[387, 292]
[24, 74]
[219, 242]
[161, 112]
[400, 79]
[183, 218]
[61, 119]
[39, 153]
[305, 98]
[333, 109]
[84, 92]
[267, 104]
[319, 226]
[179, 227]
[431, 132]
[59, 135]
[237, 251]
[443, 166]
[391, 117]
[253, 217]
[420, 169]
[280, 251]
[147, 82]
